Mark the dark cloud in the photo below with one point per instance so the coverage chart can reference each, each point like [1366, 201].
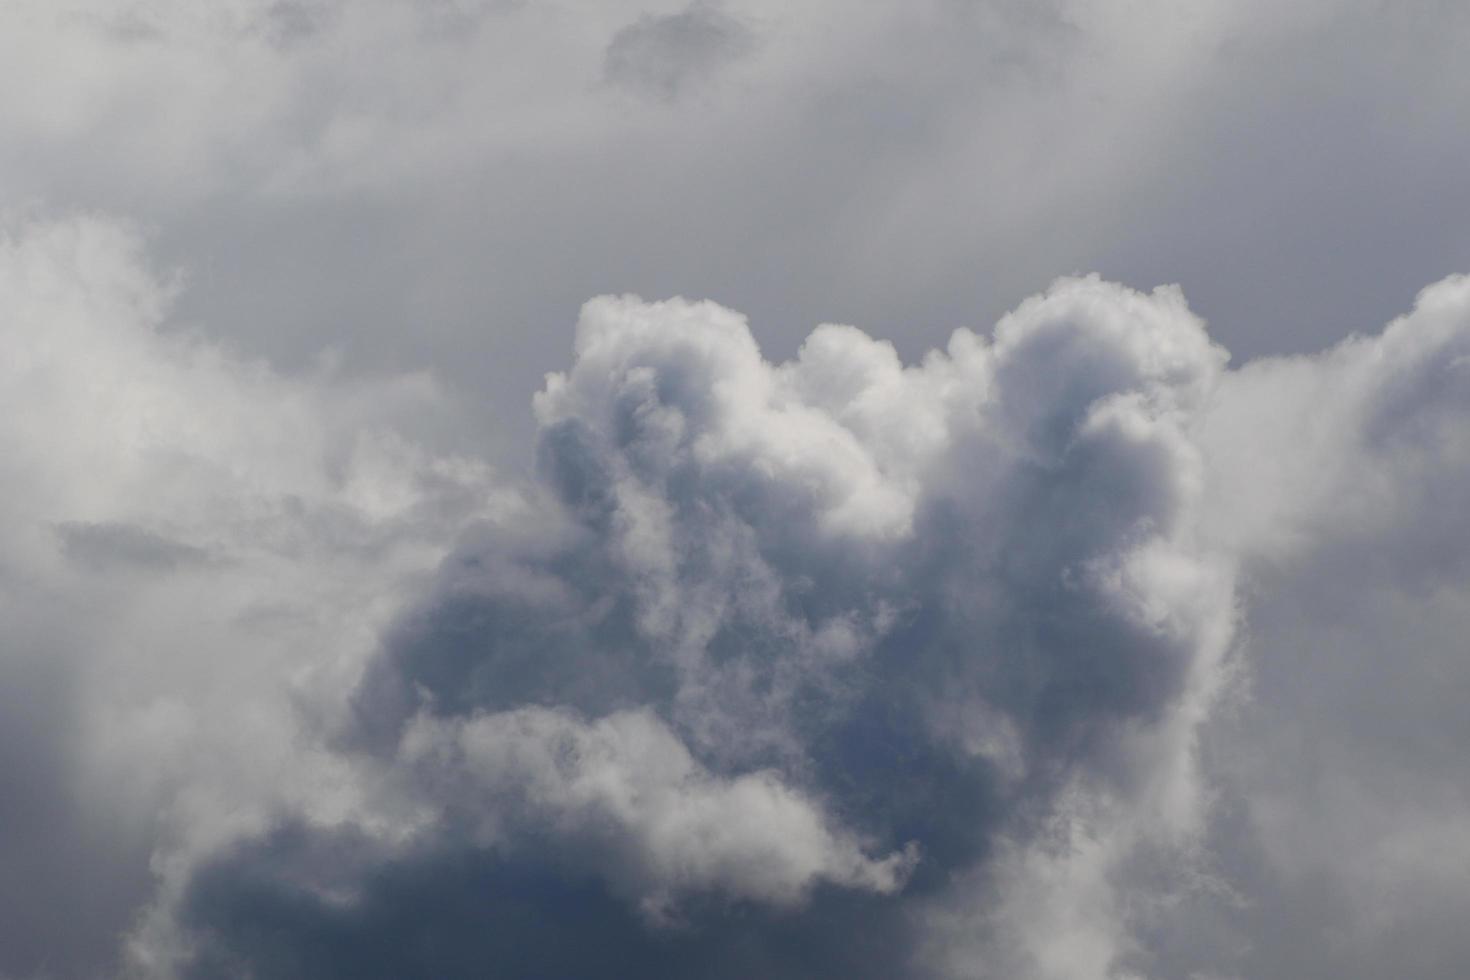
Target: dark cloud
[662, 56]
[747, 650]
[291, 22]
[114, 546]
[454, 913]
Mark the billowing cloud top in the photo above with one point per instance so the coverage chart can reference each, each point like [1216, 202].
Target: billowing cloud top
[1028, 659]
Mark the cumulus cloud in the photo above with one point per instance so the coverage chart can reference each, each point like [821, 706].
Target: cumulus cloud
[839, 625]
[629, 786]
[1027, 659]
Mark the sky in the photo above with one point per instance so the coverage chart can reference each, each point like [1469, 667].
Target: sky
[950, 489]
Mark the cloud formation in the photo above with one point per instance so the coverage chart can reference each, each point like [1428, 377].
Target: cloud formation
[826, 581]
[629, 786]
[340, 641]
[1003, 663]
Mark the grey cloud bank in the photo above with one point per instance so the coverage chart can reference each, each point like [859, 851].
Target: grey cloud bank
[369, 612]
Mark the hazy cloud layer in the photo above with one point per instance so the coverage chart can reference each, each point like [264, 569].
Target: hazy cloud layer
[194, 549]
[442, 183]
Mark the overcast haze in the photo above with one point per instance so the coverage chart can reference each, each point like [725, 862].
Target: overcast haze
[921, 490]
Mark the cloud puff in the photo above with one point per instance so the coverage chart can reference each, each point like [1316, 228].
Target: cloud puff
[631, 792]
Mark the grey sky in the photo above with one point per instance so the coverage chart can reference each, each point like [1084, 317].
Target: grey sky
[443, 184]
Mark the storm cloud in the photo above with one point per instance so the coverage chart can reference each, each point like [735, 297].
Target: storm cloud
[776, 637]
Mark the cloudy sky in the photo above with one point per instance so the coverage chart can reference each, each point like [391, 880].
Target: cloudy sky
[941, 489]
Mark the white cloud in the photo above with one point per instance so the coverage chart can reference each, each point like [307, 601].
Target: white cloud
[625, 789]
